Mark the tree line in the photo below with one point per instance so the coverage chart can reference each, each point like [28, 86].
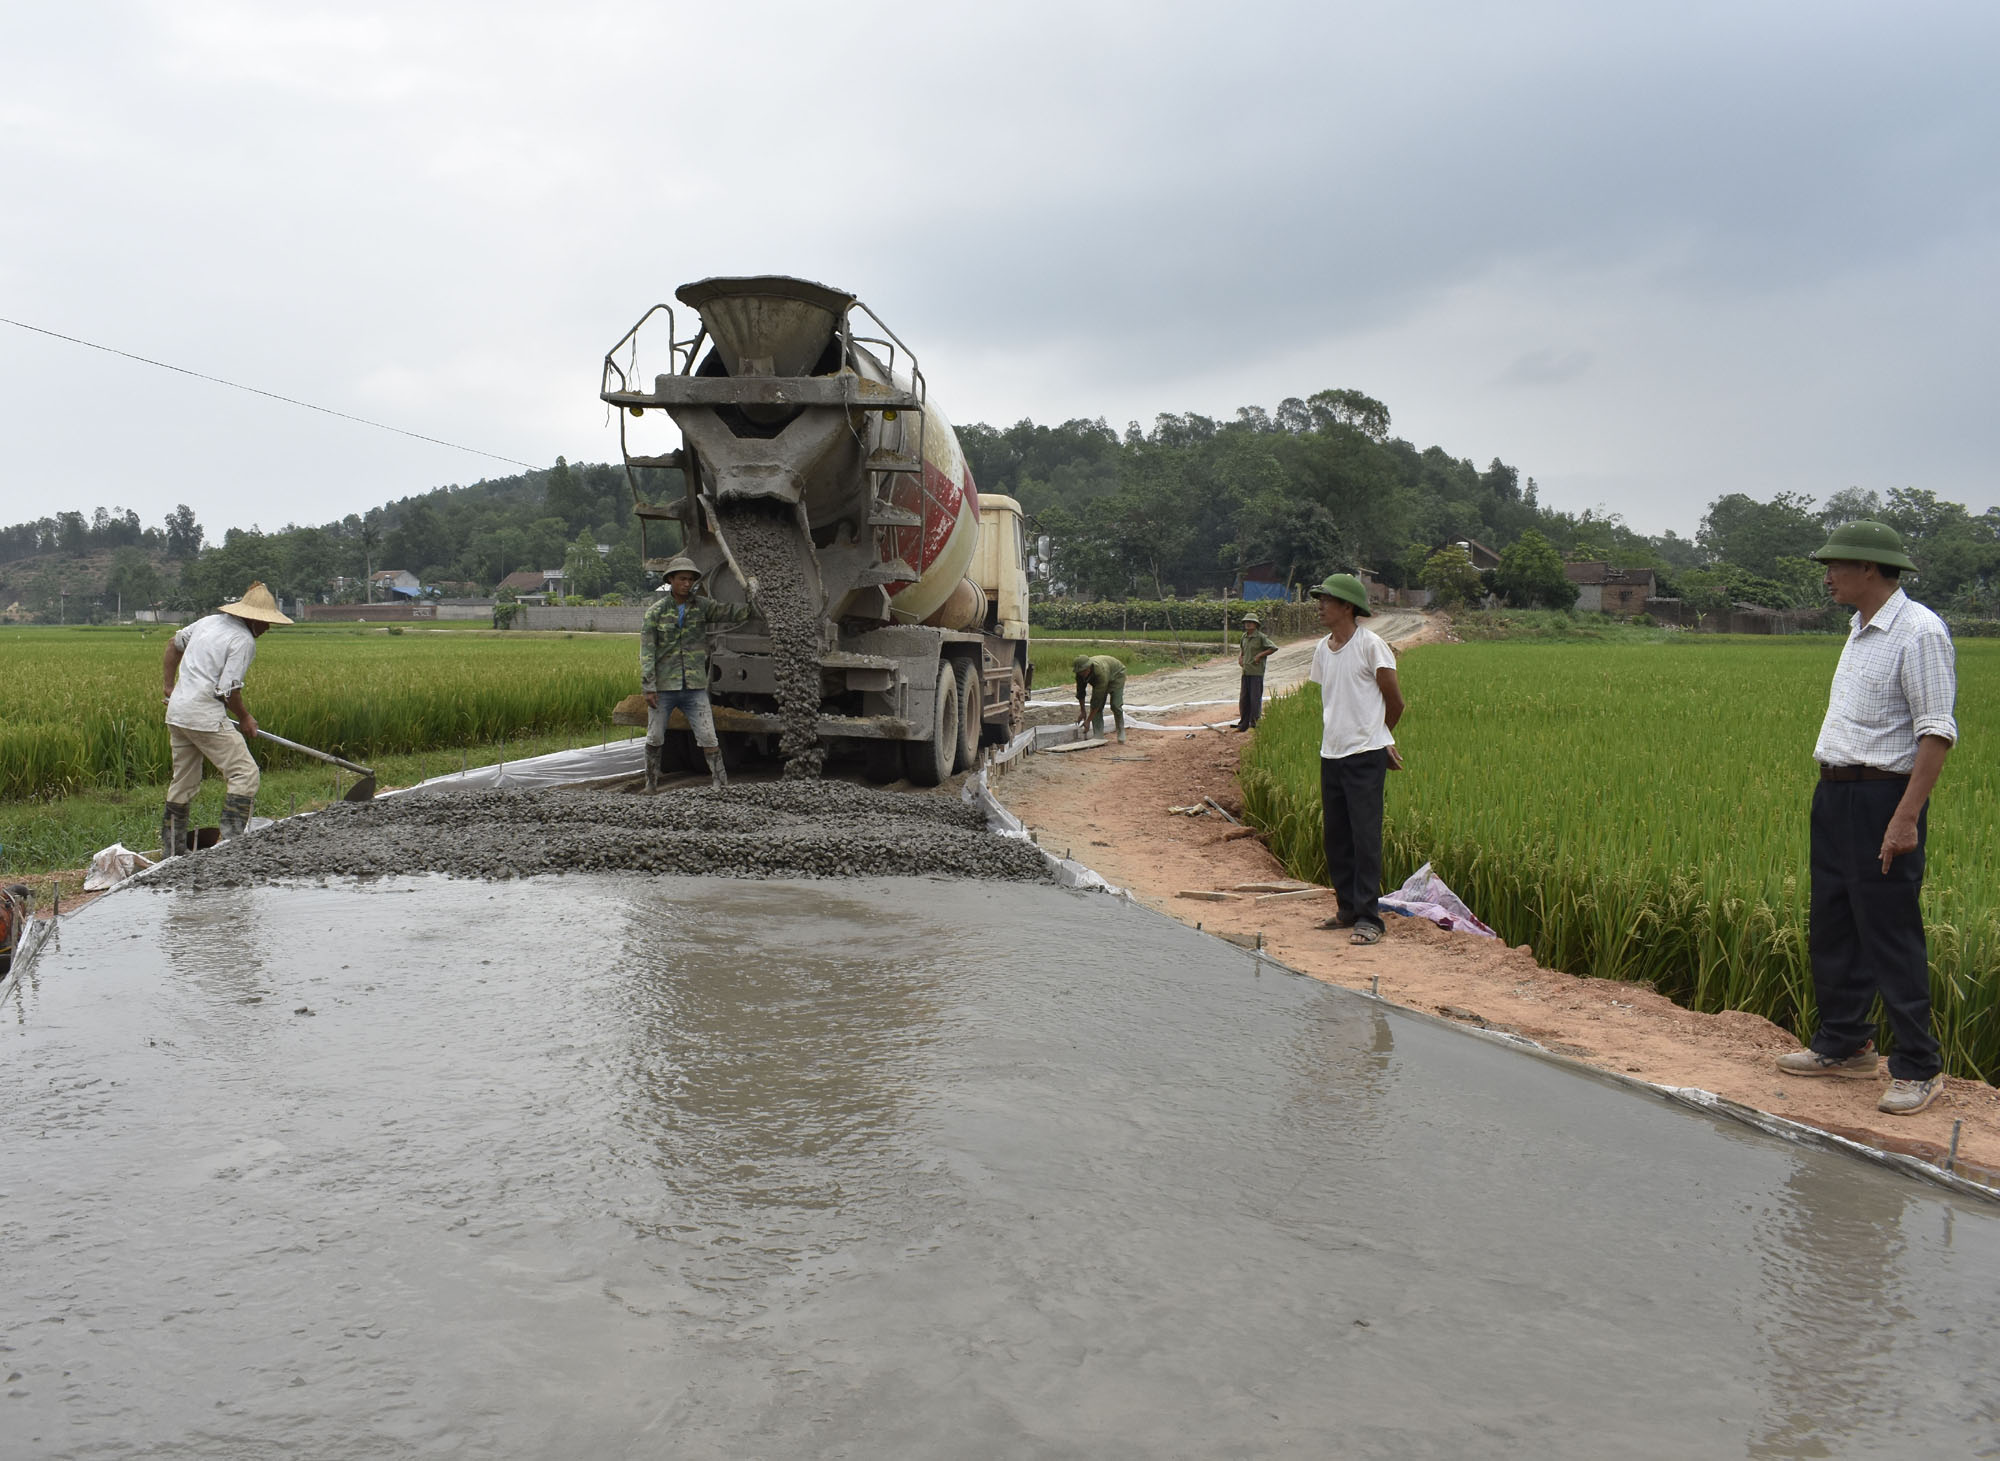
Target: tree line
[1178, 510]
[1322, 484]
[455, 539]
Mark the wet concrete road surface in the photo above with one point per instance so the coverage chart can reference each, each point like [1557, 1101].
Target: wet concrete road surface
[612, 1166]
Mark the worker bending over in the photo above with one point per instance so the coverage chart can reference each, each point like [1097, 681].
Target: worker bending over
[202, 673]
[1101, 677]
[673, 664]
[1257, 646]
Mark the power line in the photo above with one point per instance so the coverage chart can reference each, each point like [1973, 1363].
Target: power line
[273, 395]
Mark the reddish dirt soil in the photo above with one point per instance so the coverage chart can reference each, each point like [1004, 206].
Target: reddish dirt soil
[1108, 807]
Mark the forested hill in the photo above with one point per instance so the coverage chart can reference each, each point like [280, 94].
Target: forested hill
[1322, 483]
[1317, 484]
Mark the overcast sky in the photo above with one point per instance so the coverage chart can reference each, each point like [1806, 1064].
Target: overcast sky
[1646, 253]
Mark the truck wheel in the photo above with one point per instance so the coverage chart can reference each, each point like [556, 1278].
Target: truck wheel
[969, 709]
[928, 762]
[1017, 713]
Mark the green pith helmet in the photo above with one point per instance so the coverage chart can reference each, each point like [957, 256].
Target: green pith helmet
[1253, 617]
[1080, 665]
[679, 564]
[1346, 587]
[1865, 542]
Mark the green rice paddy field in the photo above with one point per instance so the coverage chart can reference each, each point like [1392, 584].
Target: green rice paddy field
[83, 706]
[1638, 811]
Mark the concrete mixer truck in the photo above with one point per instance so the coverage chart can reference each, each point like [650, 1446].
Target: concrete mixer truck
[818, 480]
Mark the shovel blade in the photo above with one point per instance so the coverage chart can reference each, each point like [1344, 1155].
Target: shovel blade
[362, 790]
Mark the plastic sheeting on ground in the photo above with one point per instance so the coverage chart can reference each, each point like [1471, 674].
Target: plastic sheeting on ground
[1425, 895]
[976, 792]
[1134, 709]
[602, 762]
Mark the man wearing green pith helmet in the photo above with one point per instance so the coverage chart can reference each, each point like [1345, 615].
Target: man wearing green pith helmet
[1881, 747]
[1102, 678]
[1360, 703]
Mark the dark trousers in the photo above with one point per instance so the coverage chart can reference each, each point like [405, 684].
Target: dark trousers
[1250, 701]
[1350, 800]
[1866, 933]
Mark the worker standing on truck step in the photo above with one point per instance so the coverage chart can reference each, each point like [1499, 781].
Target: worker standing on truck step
[1881, 747]
[202, 672]
[1102, 677]
[673, 664]
[1257, 646]
[1360, 703]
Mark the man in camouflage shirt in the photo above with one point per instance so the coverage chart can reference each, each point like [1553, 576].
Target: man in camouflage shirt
[1257, 646]
[673, 664]
[1102, 677]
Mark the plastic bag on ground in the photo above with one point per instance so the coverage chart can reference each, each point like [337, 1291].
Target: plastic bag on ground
[113, 866]
[1426, 896]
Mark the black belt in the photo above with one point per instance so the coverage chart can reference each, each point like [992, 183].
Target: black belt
[1860, 773]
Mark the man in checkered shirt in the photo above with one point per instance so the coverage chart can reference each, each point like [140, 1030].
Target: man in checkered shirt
[1888, 728]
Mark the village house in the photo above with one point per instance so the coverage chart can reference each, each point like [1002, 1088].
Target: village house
[398, 583]
[1602, 589]
[532, 585]
[1482, 556]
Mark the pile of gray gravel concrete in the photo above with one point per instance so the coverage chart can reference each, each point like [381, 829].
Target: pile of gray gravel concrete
[783, 829]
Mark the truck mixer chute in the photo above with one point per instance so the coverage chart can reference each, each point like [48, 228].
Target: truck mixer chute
[892, 599]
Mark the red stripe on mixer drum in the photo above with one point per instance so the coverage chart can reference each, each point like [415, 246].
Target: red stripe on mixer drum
[939, 502]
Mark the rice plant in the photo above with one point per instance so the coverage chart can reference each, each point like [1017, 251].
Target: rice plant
[84, 708]
[1638, 812]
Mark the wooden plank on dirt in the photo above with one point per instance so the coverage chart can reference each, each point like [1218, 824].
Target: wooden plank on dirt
[1073, 746]
[1206, 895]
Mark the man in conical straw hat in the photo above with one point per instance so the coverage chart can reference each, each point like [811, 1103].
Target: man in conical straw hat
[203, 672]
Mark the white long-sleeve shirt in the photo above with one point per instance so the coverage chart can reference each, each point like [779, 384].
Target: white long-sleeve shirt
[215, 656]
[1896, 681]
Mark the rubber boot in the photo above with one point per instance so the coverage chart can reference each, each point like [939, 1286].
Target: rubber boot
[235, 816]
[653, 766]
[1121, 735]
[716, 775]
[174, 829]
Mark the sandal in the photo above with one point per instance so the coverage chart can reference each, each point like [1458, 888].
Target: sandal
[1338, 921]
[1366, 933]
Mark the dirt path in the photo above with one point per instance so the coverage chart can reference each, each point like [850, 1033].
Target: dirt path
[1109, 807]
[1216, 679]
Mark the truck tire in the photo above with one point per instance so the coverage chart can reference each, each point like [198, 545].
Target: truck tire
[998, 733]
[969, 709]
[928, 762]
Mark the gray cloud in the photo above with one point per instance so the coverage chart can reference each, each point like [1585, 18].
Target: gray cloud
[1732, 248]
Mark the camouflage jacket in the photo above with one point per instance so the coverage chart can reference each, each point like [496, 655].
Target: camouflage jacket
[1105, 674]
[673, 647]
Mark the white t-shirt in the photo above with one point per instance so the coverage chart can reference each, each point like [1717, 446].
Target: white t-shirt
[1351, 710]
[215, 656]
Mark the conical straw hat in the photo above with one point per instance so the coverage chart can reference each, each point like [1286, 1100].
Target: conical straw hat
[256, 603]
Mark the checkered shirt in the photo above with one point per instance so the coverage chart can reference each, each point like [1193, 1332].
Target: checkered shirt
[1895, 682]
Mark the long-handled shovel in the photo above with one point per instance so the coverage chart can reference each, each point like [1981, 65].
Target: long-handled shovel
[362, 790]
